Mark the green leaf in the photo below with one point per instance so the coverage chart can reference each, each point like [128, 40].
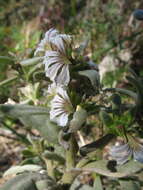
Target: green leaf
[130, 167]
[47, 184]
[129, 185]
[35, 117]
[6, 60]
[103, 167]
[116, 99]
[53, 156]
[77, 185]
[8, 81]
[33, 160]
[20, 169]
[42, 184]
[100, 143]
[105, 118]
[31, 181]
[93, 76]
[23, 181]
[123, 91]
[28, 153]
[78, 120]
[97, 183]
[32, 61]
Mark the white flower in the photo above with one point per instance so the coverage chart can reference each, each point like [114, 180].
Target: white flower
[53, 41]
[57, 67]
[45, 45]
[61, 108]
[54, 48]
[53, 90]
[61, 41]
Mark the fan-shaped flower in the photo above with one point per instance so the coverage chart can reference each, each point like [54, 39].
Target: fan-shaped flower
[45, 45]
[53, 41]
[61, 41]
[61, 108]
[54, 48]
[122, 153]
[57, 67]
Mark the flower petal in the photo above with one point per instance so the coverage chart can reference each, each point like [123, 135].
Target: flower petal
[121, 153]
[60, 107]
[59, 43]
[51, 33]
[52, 71]
[52, 54]
[64, 76]
[62, 120]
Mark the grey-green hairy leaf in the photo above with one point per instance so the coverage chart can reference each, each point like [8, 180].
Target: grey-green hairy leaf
[20, 169]
[77, 185]
[93, 76]
[25, 181]
[33, 116]
[102, 167]
[47, 184]
[54, 156]
[97, 183]
[129, 185]
[42, 184]
[32, 61]
[79, 117]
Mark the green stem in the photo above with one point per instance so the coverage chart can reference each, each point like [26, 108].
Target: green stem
[8, 81]
[70, 154]
[50, 167]
[68, 176]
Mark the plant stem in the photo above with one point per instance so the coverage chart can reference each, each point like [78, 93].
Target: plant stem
[50, 167]
[70, 154]
[68, 176]
[8, 81]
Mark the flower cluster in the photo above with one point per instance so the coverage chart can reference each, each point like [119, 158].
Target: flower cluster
[54, 50]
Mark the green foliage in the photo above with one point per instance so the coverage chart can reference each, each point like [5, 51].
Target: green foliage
[34, 117]
[55, 156]
[21, 169]
[105, 118]
[30, 180]
[79, 118]
[104, 168]
[93, 76]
